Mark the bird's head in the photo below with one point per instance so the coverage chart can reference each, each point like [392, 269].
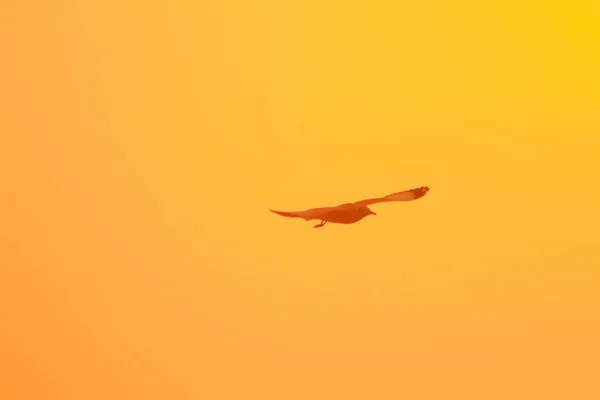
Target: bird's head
[366, 211]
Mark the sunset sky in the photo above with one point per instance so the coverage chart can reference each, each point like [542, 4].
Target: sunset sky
[143, 142]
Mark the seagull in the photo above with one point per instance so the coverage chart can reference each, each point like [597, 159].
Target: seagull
[350, 213]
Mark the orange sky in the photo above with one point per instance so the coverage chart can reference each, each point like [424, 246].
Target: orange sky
[141, 143]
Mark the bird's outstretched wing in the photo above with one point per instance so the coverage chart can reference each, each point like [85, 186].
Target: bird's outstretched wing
[307, 215]
[406, 195]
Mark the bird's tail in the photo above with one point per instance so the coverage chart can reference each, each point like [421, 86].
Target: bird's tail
[290, 214]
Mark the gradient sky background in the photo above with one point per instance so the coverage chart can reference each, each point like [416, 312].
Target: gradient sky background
[141, 143]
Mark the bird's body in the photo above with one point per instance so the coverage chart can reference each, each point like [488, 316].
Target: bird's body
[350, 213]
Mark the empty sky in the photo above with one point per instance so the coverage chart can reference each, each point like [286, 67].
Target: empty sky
[142, 142]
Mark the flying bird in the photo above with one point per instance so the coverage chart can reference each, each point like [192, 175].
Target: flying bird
[350, 213]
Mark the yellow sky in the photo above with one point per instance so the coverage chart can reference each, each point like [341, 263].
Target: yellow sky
[141, 144]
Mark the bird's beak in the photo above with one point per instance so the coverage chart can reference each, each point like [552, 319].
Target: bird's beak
[373, 213]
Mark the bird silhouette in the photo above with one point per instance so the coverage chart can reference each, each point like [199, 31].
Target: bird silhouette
[350, 213]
